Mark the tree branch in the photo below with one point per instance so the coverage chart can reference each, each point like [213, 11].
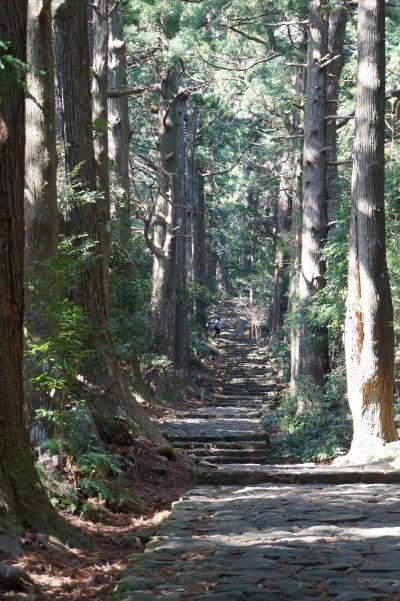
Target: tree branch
[264, 60]
[129, 91]
[222, 172]
[253, 38]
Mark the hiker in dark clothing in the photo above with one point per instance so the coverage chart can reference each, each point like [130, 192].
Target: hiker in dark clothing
[217, 328]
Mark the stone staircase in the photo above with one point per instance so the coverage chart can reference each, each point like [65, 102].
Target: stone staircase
[228, 429]
[277, 532]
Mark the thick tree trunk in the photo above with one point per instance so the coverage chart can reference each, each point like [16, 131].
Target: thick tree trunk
[313, 339]
[23, 499]
[182, 239]
[369, 340]
[191, 194]
[116, 411]
[41, 210]
[100, 127]
[118, 117]
[199, 247]
[297, 220]
[336, 34]
[164, 241]
[282, 229]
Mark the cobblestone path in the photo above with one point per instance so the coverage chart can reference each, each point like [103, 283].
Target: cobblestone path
[281, 532]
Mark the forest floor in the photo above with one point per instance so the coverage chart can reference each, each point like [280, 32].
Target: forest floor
[60, 572]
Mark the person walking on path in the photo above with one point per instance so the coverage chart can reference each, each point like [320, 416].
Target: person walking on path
[217, 328]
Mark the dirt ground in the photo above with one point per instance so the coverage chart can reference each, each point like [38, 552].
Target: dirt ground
[62, 573]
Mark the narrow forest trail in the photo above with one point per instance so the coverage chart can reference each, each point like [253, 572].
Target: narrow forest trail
[228, 428]
[250, 530]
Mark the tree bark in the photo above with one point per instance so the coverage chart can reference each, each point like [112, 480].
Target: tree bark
[164, 240]
[297, 219]
[199, 247]
[23, 500]
[369, 339]
[336, 34]
[100, 127]
[181, 316]
[313, 339]
[117, 413]
[41, 210]
[118, 117]
[282, 230]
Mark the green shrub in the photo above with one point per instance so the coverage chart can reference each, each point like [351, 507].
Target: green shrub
[321, 432]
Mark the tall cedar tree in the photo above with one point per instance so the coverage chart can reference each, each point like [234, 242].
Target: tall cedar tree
[41, 210]
[22, 498]
[369, 340]
[118, 117]
[117, 413]
[313, 339]
[169, 206]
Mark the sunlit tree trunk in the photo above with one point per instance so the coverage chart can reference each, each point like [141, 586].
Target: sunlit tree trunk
[116, 412]
[199, 246]
[336, 35]
[119, 126]
[313, 339]
[171, 194]
[297, 206]
[299, 80]
[23, 499]
[284, 206]
[182, 240]
[100, 127]
[369, 342]
[41, 211]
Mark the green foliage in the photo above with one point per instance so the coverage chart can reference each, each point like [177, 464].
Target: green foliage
[321, 432]
[11, 68]
[61, 355]
[130, 288]
[70, 189]
[152, 363]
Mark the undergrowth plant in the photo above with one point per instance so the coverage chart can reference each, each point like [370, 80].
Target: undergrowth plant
[321, 432]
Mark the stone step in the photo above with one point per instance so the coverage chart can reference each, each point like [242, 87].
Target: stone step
[231, 446]
[229, 453]
[255, 460]
[243, 475]
[226, 412]
[250, 403]
[175, 438]
[245, 398]
[248, 388]
[241, 402]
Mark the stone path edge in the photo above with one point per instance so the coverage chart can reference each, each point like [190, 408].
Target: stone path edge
[256, 474]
